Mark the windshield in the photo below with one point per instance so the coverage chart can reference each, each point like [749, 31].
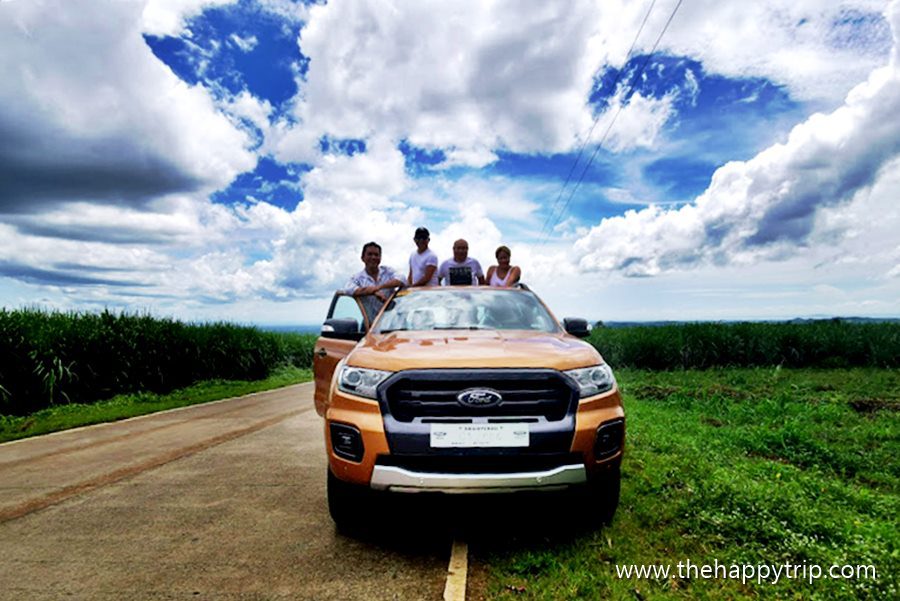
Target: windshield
[471, 309]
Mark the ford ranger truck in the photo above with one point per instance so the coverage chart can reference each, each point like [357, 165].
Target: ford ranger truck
[464, 389]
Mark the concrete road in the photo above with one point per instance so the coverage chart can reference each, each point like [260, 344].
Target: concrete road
[219, 501]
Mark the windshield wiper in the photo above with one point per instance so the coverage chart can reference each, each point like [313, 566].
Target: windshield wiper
[462, 328]
[388, 331]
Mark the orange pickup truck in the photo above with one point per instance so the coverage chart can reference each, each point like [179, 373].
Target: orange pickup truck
[464, 390]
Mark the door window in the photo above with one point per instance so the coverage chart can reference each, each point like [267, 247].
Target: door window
[346, 307]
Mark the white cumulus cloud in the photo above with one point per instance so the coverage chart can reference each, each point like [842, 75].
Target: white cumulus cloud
[90, 114]
[246, 44]
[167, 17]
[445, 75]
[768, 205]
[813, 48]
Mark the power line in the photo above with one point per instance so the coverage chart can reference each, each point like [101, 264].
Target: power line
[587, 138]
[640, 72]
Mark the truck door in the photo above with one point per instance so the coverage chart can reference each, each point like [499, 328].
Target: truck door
[336, 341]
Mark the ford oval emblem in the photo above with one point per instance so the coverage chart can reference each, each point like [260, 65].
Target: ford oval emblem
[479, 397]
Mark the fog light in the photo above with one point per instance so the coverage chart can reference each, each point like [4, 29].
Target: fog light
[609, 439]
[347, 442]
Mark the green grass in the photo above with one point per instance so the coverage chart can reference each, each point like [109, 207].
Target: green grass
[740, 466]
[62, 417]
[824, 343]
[54, 358]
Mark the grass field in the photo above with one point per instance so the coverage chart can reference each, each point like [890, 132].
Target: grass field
[738, 466]
[702, 345]
[54, 358]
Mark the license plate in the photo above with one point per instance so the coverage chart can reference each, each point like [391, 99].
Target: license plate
[479, 435]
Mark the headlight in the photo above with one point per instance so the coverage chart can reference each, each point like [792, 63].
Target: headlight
[359, 381]
[593, 380]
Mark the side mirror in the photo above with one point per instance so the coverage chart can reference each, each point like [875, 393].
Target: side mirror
[577, 326]
[345, 328]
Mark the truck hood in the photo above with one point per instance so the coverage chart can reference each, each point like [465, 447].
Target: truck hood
[397, 351]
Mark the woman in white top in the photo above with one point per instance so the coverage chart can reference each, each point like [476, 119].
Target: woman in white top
[503, 275]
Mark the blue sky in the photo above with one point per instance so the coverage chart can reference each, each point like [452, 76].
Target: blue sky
[227, 159]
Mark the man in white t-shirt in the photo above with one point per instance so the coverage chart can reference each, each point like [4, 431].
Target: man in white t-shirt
[461, 270]
[423, 263]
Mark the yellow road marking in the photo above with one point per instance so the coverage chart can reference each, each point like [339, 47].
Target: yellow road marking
[455, 588]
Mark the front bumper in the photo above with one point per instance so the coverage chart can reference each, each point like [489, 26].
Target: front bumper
[396, 479]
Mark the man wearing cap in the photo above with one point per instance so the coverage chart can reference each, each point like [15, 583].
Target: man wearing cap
[423, 263]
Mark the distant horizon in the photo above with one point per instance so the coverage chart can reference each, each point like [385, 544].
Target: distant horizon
[651, 321]
[316, 324]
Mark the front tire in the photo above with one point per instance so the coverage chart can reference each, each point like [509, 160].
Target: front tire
[346, 503]
[602, 495]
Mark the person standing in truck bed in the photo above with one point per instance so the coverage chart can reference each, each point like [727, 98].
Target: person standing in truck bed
[503, 275]
[375, 283]
[461, 270]
[423, 263]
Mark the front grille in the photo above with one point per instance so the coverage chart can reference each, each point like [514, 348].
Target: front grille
[432, 394]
